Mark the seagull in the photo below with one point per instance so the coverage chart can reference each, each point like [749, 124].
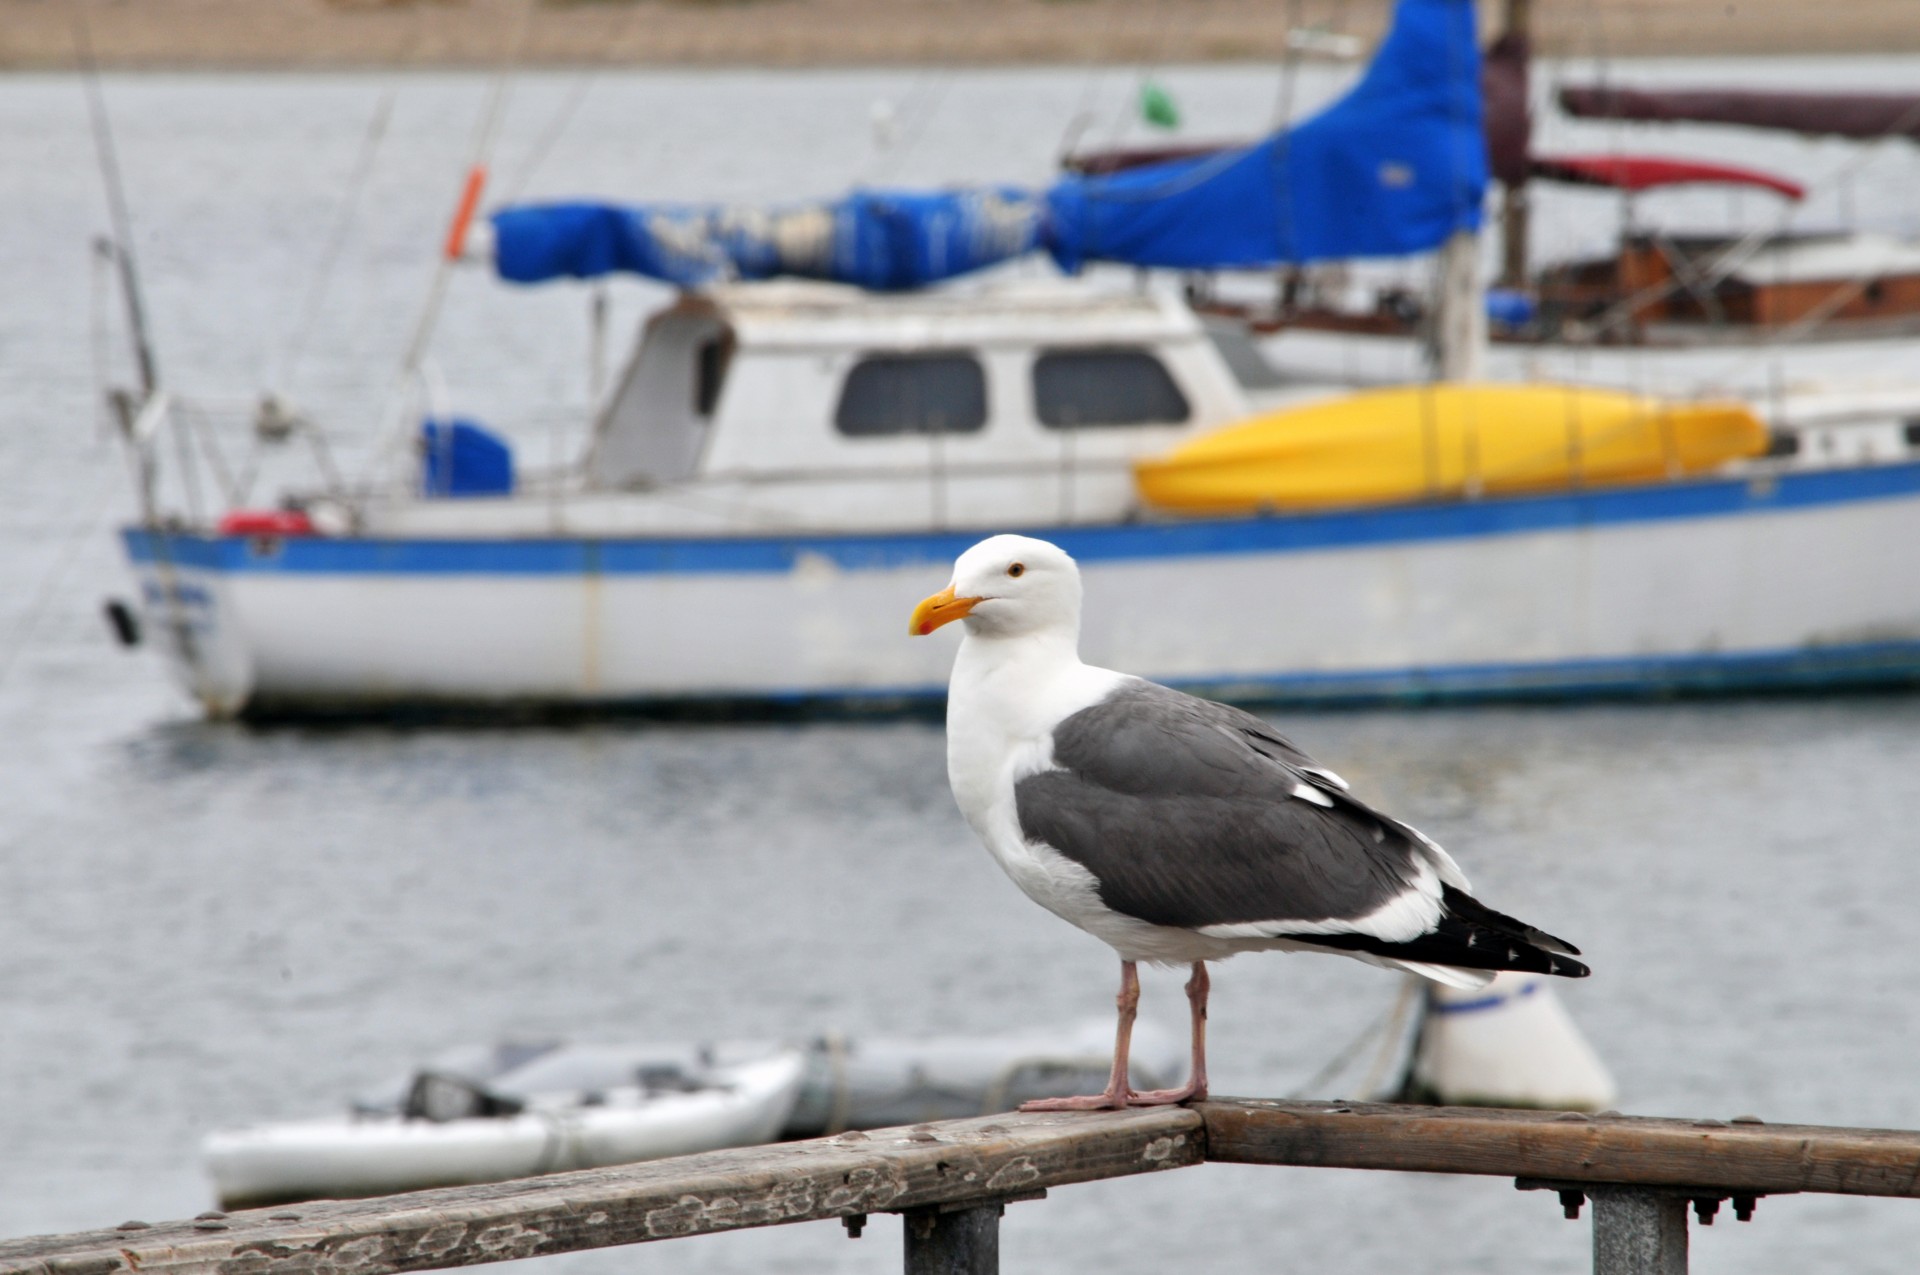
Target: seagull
[1177, 830]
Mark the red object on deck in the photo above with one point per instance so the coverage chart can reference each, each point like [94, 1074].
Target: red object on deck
[1644, 172]
[266, 522]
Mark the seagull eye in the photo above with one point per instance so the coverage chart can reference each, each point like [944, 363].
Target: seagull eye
[1017, 569]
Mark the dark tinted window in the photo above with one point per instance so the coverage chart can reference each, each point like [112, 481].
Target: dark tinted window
[913, 394]
[710, 362]
[1113, 386]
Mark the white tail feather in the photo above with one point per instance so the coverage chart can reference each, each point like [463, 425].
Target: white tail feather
[1446, 975]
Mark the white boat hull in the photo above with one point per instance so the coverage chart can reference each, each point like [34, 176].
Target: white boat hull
[375, 1155]
[1795, 578]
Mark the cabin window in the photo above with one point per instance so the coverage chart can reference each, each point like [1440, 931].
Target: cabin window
[1073, 389]
[710, 360]
[933, 393]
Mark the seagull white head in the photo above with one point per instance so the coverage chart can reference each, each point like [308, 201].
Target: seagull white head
[1006, 586]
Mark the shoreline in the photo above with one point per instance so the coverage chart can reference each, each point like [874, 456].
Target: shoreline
[346, 35]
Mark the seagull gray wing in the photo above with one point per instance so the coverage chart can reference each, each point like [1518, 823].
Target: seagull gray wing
[1193, 814]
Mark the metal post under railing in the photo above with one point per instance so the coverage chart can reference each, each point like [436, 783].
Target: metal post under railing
[1642, 1230]
[1638, 1232]
[962, 1241]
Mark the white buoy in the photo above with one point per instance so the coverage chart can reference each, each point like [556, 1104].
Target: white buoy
[1508, 1044]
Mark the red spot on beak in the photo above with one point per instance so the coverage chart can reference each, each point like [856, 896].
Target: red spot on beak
[941, 608]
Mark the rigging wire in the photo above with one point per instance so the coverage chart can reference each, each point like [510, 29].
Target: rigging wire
[344, 218]
[482, 150]
[1082, 116]
[189, 420]
[1388, 1029]
[563, 115]
[81, 532]
[550, 134]
[99, 339]
[925, 98]
[1289, 71]
[484, 136]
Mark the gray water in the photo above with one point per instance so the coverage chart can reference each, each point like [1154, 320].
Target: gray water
[205, 925]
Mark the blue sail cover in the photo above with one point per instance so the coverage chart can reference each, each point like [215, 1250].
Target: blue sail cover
[884, 240]
[1392, 168]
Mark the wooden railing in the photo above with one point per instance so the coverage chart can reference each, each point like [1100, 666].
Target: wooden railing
[952, 1179]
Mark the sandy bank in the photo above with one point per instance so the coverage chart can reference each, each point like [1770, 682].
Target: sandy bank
[298, 34]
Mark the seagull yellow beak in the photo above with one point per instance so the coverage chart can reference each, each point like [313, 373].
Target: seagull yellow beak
[941, 608]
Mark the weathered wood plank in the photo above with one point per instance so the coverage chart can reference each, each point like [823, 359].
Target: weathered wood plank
[967, 1162]
[886, 1170]
[1639, 1151]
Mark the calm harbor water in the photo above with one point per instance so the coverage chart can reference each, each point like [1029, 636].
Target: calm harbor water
[203, 925]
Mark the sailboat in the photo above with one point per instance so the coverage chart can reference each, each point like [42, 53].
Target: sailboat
[1690, 288]
[784, 461]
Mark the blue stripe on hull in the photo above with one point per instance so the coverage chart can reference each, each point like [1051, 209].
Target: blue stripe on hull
[1830, 668]
[1893, 663]
[1275, 534]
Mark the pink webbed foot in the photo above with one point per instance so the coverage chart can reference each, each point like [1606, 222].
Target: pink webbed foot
[1084, 1102]
[1167, 1097]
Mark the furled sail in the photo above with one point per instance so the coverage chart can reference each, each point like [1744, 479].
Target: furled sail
[1392, 168]
[884, 240]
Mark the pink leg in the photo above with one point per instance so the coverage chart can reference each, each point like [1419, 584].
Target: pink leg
[1115, 1097]
[1195, 1089]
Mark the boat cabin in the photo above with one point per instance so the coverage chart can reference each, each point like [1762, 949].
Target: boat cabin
[966, 408]
[749, 408]
[1848, 281]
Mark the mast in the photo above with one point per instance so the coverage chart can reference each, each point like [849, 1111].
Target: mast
[1507, 64]
[1458, 340]
[120, 247]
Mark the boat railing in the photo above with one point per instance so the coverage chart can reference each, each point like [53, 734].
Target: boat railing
[951, 1181]
[1018, 467]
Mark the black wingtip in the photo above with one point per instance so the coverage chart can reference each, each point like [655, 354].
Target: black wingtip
[1552, 942]
[1472, 936]
[1464, 906]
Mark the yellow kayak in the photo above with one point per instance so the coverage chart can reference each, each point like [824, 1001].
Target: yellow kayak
[1441, 441]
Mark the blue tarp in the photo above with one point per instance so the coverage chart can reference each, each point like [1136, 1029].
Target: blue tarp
[1394, 167]
[885, 240]
[460, 458]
